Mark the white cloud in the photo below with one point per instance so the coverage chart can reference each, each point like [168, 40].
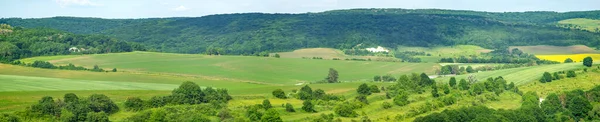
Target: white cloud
[181, 8]
[66, 3]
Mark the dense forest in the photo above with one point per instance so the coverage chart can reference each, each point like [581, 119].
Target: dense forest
[18, 42]
[252, 33]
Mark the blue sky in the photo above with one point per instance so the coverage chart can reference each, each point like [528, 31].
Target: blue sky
[195, 8]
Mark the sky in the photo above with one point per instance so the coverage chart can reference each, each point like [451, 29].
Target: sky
[196, 8]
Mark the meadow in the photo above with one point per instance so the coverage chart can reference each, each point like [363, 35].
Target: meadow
[587, 24]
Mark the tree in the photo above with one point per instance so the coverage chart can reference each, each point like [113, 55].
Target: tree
[547, 77]
[551, 105]
[224, 114]
[134, 104]
[463, 84]
[114, 70]
[46, 106]
[362, 99]
[588, 61]
[188, 93]
[345, 110]
[97, 117]
[279, 93]
[470, 69]
[478, 88]
[579, 107]
[70, 98]
[308, 106]
[446, 89]
[364, 89]
[434, 91]
[101, 103]
[333, 76]
[452, 82]
[266, 104]
[425, 81]
[289, 108]
[386, 105]
[318, 94]
[555, 76]
[271, 115]
[401, 99]
[568, 60]
[571, 74]
[374, 89]
[305, 93]
[277, 55]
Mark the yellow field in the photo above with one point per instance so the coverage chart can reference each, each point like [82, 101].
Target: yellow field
[575, 57]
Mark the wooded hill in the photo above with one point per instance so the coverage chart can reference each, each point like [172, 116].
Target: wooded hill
[252, 33]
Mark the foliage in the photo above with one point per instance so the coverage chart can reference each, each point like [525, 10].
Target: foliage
[271, 115]
[588, 61]
[70, 98]
[345, 110]
[46, 106]
[452, 82]
[401, 99]
[374, 89]
[308, 106]
[579, 106]
[279, 93]
[332, 77]
[463, 84]
[551, 105]
[568, 60]
[362, 99]
[571, 74]
[547, 77]
[289, 108]
[364, 89]
[4, 117]
[97, 117]
[266, 104]
[134, 104]
[101, 103]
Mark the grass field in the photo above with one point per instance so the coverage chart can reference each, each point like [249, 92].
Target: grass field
[448, 51]
[587, 24]
[555, 50]
[574, 57]
[267, 70]
[519, 76]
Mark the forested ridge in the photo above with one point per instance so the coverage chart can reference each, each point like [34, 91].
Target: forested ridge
[252, 33]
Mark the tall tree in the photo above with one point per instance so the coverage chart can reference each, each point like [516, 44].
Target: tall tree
[588, 61]
[332, 77]
[452, 82]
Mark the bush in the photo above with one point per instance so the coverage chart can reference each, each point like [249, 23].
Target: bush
[97, 117]
[101, 103]
[571, 74]
[266, 104]
[401, 99]
[374, 89]
[4, 117]
[279, 93]
[134, 104]
[345, 110]
[386, 105]
[46, 106]
[364, 89]
[289, 108]
[308, 106]
[362, 99]
[271, 115]
[588, 61]
[157, 101]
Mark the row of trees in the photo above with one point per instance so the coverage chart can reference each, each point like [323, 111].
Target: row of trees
[95, 108]
[48, 65]
[515, 56]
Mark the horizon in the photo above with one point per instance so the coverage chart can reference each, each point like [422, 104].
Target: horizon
[135, 9]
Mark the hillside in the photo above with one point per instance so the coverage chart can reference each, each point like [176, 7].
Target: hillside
[252, 33]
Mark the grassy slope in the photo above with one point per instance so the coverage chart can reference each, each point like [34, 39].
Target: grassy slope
[280, 71]
[521, 75]
[587, 24]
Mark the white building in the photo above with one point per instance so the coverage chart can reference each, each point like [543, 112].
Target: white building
[378, 49]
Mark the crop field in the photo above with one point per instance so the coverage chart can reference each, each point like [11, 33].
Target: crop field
[556, 50]
[519, 76]
[260, 70]
[448, 51]
[574, 57]
[587, 24]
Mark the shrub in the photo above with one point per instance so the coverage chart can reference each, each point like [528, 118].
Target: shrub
[374, 89]
[134, 104]
[101, 103]
[362, 99]
[271, 115]
[571, 74]
[97, 117]
[401, 99]
[266, 104]
[289, 108]
[308, 106]
[386, 105]
[364, 89]
[279, 93]
[345, 110]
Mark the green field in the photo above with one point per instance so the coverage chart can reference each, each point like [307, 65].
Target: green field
[447, 51]
[587, 24]
[519, 76]
[260, 70]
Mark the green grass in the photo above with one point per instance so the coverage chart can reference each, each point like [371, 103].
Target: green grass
[584, 81]
[27, 83]
[519, 76]
[587, 24]
[282, 71]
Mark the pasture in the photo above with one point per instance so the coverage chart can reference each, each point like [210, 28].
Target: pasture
[575, 57]
[587, 24]
[555, 50]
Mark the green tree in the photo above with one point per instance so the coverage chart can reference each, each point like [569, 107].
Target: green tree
[70, 98]
[568, 60]
[571, 74]
[279, 93]
[588, 61]
[551, 105]
[463, 84]
[305, 93]
[271, 115]
[374, 89]
[333, 76]
[277, 55]
[555, 76]
[579, 107]
[308, 106]
[425, 81]
[345, 110]
[362, 99]
[46, 106]
[97, 117]
[401, 99]
[266, 104]
[478, 88]
[446, 89]
[253, 114]
[452, 82]
[470, 69]
[547, 77]
[319, 94]
[134, 104]
[364, 89]
[101, 103]
[188, 93]
[5, 117]
[289, 108]
[434, 91]
[114, 70]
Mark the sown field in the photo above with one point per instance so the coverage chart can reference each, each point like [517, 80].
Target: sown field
[519, 76]
[555, 50]
[574, 57]
[587, 24]
[447, 51]
[260, 70]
